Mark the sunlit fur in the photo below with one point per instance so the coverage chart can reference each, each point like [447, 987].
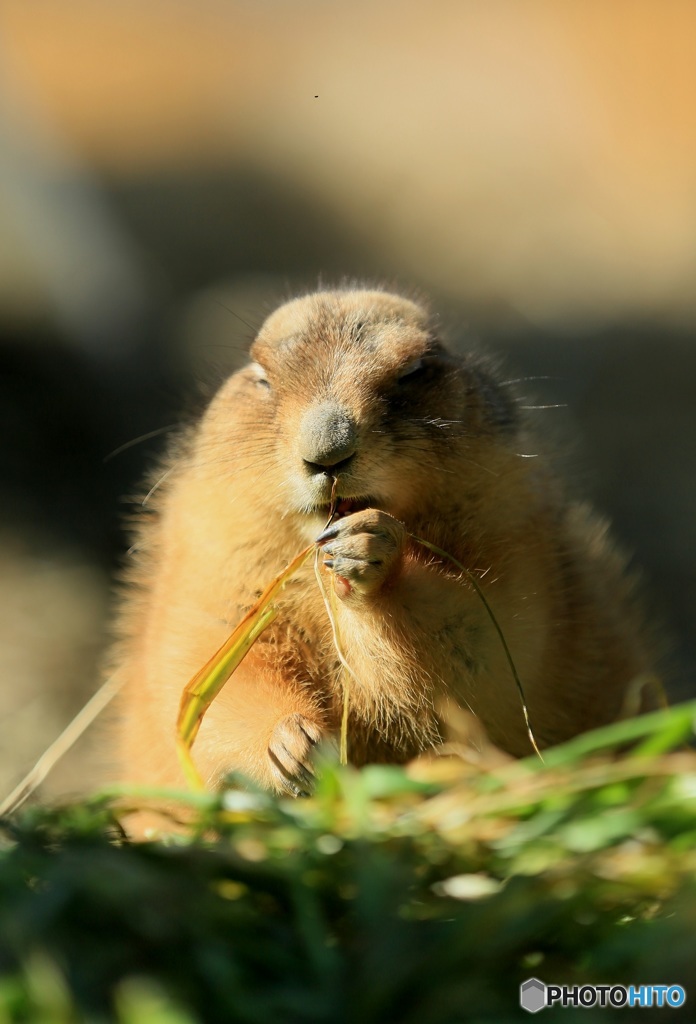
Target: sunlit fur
[440, 449]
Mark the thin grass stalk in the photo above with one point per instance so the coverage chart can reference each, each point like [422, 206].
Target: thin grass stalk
[331, 612]
[479, 591]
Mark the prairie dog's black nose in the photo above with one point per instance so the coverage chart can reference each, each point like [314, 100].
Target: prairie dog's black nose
[327, 437]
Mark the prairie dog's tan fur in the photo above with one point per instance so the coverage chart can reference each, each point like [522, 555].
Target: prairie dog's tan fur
[355, 384]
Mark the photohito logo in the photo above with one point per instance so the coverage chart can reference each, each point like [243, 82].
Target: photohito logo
[535, 995]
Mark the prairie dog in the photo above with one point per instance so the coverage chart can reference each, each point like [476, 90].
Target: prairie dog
[355, 385]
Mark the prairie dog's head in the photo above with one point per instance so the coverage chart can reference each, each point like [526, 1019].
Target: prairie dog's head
[356, 385]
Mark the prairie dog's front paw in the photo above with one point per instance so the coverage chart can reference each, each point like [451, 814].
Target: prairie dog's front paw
[364, 550]
[289, 751]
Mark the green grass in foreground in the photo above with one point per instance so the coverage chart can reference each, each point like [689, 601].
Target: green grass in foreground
[420, 895]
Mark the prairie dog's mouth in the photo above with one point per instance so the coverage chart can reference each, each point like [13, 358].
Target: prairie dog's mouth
[346, 506]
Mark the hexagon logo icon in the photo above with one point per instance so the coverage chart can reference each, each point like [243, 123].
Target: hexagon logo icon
[532, 995]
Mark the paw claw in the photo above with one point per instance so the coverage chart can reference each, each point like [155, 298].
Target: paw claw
[329, 532]
[289, 751]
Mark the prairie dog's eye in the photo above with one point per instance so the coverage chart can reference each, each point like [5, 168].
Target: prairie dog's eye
[260, 377]
[413, 367]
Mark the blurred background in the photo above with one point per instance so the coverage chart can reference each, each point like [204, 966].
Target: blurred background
[170, 171]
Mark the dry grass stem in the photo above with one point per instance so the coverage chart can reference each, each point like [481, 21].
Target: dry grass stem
[329, 598]
[479, 591]
[60, 746]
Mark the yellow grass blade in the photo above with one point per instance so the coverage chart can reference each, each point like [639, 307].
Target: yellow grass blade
[204, 687]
